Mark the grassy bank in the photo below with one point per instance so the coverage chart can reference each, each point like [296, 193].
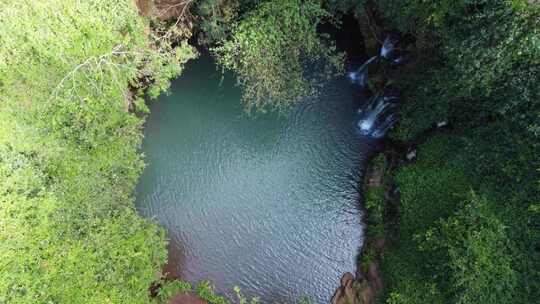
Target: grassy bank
[70, 75]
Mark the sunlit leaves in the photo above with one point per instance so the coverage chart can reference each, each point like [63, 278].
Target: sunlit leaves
[277, 54]
[479, 262]
[70, 73]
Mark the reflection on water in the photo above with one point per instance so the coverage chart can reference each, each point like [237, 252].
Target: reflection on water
[267, 203]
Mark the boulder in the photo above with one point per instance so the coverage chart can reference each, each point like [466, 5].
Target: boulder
[346, 293]
[346, 278]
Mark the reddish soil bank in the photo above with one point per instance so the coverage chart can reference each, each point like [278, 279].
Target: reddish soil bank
[186, 298]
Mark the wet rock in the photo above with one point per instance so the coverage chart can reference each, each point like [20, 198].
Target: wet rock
[359, 76]
[389, 49]
[346, 293]
[377, 116]
[366, 295]
[350, 293]
[371, 29]
[338, 297]
[441, 124]
[411, 154]
[390, 193]
[346, 279]
[402, 59]
[363, 290]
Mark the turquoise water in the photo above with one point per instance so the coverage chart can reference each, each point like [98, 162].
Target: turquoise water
[267, 203]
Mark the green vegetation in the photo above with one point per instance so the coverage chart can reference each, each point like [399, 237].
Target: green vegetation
[171, 288]
[70, 72]
[476, 254]
[468, 216]
[74, 75]
[216, 18]
[271, 48]
[454, 246]
[375, 201]
[204, 290]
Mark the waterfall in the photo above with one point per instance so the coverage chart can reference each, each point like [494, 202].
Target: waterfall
[392, 52]
[359, 77]
[378, 115]
[389, 48]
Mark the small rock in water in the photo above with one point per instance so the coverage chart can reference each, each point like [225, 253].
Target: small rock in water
[401, 60]
[411, 154]
[346, 278]
[346, 293]
[389, 48]
[441, 124]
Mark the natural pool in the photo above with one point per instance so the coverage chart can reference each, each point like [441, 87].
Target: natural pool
[268, 203]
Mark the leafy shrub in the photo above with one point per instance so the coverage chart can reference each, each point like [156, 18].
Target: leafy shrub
[273, 50]
[206, 292]
[431, 188]
[374, 199]
[477, 256]
[171, 288]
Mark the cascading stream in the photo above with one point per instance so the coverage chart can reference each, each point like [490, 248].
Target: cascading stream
[377, 115]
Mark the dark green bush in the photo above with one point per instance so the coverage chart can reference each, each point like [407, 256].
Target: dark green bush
[475, 254]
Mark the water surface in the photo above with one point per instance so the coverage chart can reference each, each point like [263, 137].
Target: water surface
[266, 203]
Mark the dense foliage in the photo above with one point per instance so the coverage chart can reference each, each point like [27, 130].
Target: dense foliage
[476, 66]
[475, 253]
[490, 52]
[215, 19]
[454, 246]
[277, 54]
[69, 160]
[73, 75]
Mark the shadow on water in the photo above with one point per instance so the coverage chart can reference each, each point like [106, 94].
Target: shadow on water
[268, 203]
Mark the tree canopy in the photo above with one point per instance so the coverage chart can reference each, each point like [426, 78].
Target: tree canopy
[277, 54]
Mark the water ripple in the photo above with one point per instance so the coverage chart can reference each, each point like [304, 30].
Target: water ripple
[267, 203]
